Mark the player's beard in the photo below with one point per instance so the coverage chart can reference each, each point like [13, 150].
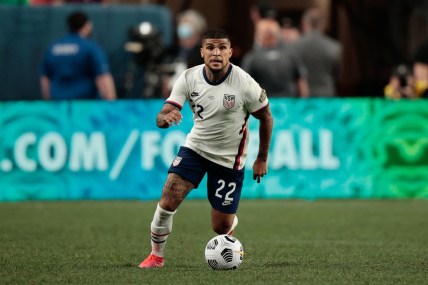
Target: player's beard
[220, 71]
[215, 71]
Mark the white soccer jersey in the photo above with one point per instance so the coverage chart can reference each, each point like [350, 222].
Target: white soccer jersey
[220, 113]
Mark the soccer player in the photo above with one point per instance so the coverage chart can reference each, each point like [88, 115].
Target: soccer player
[222, 96]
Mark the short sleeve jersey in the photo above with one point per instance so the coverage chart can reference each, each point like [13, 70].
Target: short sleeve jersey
[72, 64]
[220, 113]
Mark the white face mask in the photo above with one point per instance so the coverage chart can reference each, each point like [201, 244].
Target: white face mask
[184, 31]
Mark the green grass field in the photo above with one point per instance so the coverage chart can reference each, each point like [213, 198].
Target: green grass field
[285, 242]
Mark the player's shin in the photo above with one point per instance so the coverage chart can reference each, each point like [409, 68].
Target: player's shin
[161, 227]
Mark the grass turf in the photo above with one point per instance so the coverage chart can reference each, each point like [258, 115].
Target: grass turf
[285, 242]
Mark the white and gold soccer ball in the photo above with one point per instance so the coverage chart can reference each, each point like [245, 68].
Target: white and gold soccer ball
[224, 252]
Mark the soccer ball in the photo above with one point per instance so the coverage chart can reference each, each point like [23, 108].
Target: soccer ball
[224, 252]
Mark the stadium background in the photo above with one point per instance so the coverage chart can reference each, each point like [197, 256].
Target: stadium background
[356, 147]
[376, 36]
[345, 147]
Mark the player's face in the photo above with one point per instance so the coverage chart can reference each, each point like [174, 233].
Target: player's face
[216, 54]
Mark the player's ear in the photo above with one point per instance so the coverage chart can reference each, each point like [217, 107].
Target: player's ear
[202, 53]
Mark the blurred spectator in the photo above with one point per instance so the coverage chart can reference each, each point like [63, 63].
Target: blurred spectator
[186, 53]
[290, 33]
[75, 67]
[321, 55]
[400, 82]
[263, 9]
[420, 66]
[404, 85]
[410, 82]
[273, 64]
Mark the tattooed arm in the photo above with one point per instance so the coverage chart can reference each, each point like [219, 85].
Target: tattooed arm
[265, 133]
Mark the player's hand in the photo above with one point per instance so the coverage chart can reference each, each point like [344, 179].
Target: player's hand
[173, 117]
[259, 169]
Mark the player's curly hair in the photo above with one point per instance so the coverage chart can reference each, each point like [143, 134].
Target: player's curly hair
[215, 33]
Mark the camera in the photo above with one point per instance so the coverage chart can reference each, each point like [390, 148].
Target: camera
[146, 46]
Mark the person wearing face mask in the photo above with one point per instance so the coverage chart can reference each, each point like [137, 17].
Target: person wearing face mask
[186, 52]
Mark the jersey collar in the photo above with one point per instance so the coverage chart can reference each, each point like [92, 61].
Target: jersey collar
[218, 82]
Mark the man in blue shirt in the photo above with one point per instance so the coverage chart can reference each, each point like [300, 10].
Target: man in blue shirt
[75, 67]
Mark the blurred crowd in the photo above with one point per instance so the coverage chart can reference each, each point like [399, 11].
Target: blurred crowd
[410, 79]
[288, 57]
[282, 58]
[284, 61]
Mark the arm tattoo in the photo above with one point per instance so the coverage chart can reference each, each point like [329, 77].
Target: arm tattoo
[265, 131]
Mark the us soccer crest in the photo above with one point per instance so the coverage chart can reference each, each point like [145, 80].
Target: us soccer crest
[228, 101]
[177, 161]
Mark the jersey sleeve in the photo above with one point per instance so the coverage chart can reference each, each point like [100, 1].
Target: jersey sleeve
[179, 92]
[256, 97]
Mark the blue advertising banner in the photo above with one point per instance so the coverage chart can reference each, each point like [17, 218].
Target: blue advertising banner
[321, 148]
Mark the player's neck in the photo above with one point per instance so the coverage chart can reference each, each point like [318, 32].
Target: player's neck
[216, 76]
